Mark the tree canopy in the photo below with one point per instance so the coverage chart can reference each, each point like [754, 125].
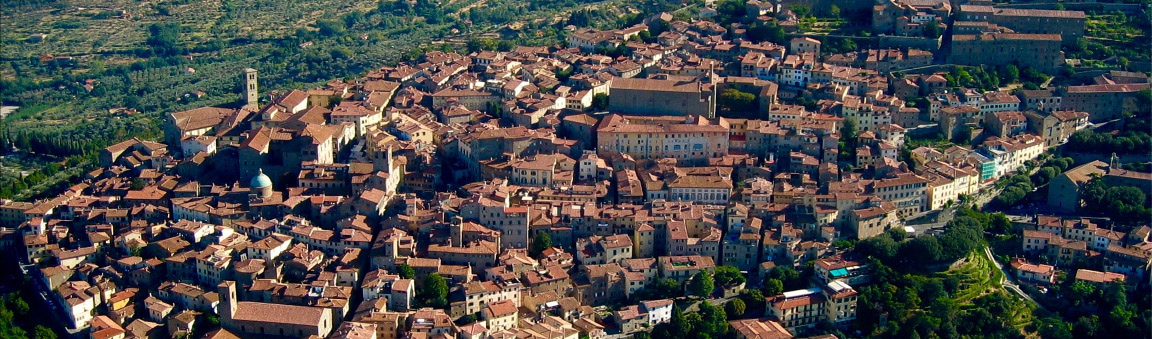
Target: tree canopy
[541, 242]
[1124, 204]
[433, 292]
[701, 284]
[735, 103]
[405, 271]
[728, 276]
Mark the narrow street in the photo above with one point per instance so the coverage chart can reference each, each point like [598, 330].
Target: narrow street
[1008, 282]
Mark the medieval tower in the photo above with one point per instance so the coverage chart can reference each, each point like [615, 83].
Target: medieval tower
[251, 96]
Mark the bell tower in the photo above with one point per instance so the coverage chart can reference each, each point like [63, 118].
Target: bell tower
[251, 94]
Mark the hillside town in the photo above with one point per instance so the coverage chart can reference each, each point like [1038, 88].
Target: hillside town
[581, 191]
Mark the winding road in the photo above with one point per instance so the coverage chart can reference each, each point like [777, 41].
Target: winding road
[1006, 279]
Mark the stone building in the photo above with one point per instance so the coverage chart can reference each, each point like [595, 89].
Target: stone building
[664, 95]
[1068, 24]
[267, 319]
[1040, 51]
[1103, 102]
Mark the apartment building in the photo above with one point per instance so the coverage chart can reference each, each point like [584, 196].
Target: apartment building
[1011, 153]
[1045, 100]
[907, 192]
[1056, 126]
[685, 239]
[1043, 274]
[1005, 124]
[947, 183]
[647, 314]
[597, 250]
[834, 302]
[690, 139]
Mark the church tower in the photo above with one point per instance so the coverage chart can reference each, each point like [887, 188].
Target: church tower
[251, 95]
[227, 291]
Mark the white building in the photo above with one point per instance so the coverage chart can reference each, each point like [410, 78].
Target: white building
[1011, 153]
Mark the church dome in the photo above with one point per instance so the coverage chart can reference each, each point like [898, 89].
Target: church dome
[260, 180]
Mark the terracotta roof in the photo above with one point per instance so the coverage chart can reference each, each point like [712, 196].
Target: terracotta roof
[1023, 265]
[500, 308]
[1097, 276]
[278, 313]
[1085, 172]
[220, 334]
[790, 303]
[760, 329]
[201, 117]
[616, 123]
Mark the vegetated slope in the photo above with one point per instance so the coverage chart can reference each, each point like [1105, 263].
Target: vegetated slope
[116, 26]
[87, 73]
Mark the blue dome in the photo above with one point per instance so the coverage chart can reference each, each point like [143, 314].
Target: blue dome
[260, 181]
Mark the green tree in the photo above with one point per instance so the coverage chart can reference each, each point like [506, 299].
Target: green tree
[897, 233]
[600, 101]
[330, 28]
[1086, 327]
[761, 31]
[835, 11]
[42, 332]
[800, 10]
[434, 291]
[931, 30]
[1010, 75]
[1000, 224]
[701, 284]
[713, 320]
[848, 136]
[1081, 292]
[137, 184]
[1044, 174]
[963, 136]
[754, 298]
[466, 319]
[541, 242]
[881, 247]
[773, 287]
[17, 304]
[789, 276]
[642, 335]
[845, 45]
[405, 271]
[733, 100]
[646, 36]
[680, 324]
[163, 39]
[736, 307]
[728, 276]
[923, 249]
[1128, 195]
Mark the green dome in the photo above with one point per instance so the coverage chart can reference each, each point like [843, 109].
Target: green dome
[260, 181]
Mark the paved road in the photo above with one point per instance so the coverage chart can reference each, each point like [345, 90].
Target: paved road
[1006, 279]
